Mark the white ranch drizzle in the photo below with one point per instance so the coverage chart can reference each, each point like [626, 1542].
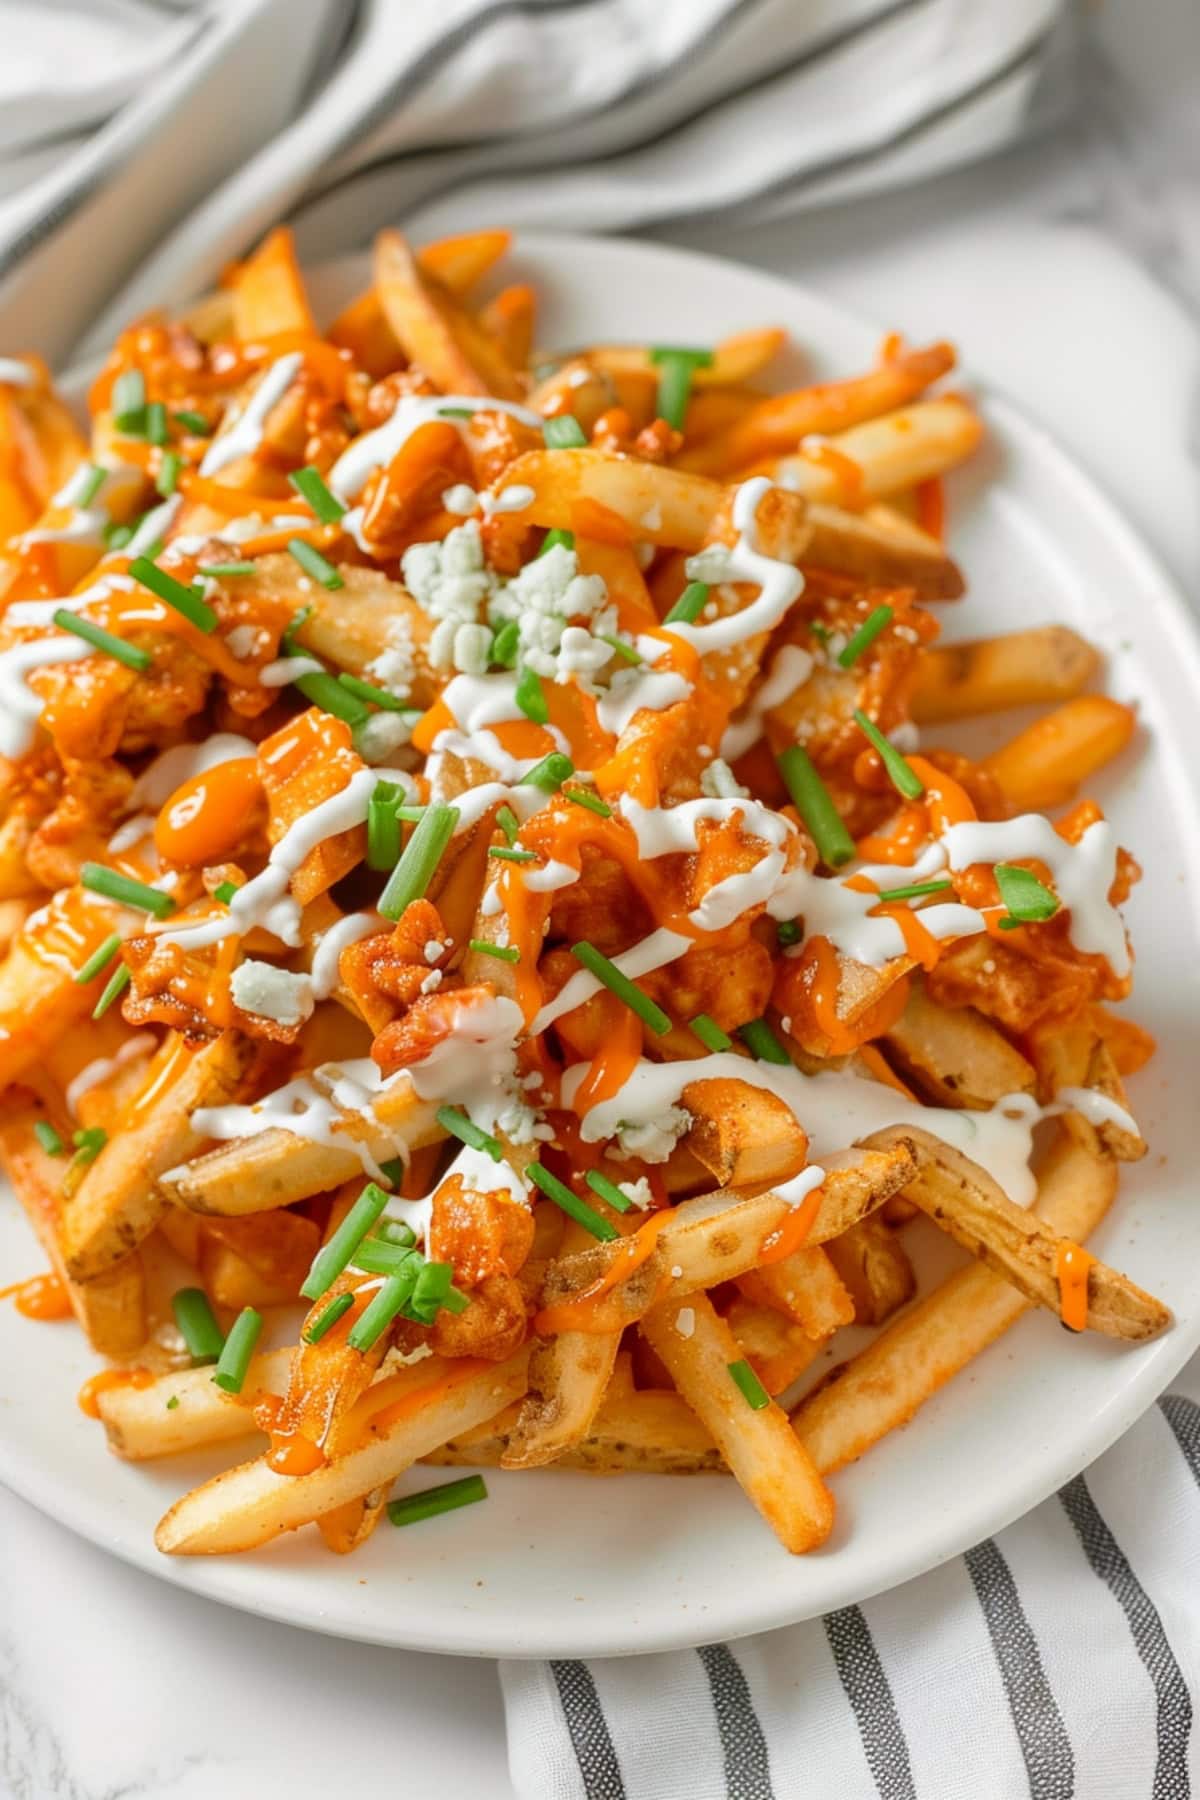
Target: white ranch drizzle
[15, 374]
[790, 669]
[654, 952]
[780, 584]
[243, 436]
[41, 612]
[20, 707]
[375, 449]
[183, 762]
[288, 668]
[319, 1114]
[330, 944]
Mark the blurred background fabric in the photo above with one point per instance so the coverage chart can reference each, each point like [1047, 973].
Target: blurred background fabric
[145, 143]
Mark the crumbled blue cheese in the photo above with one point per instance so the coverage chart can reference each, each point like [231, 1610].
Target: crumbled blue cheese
[461, 499]
[383, 735]
[543, 597]
[638, 1193]
[451, 582]
[719, 782]
[710, 564]
[654, 1140]
[393, 669]
[259, 987]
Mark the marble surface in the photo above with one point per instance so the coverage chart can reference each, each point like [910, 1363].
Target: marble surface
[1071, 273]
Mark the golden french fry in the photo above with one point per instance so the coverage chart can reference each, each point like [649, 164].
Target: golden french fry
[884, 456]
[743, 1135]
[656, 504]
[268, 291]
[1045, 765]
[960, 681]
[1072, 1053]
[651, 1432]
[568, 1375]
[874, 1267]
[880, 555]
[434, 330]
[763, 1453]
[954, 1056]
[805, 1287]
[368, 614]
[142, 1423]
[777, 1349]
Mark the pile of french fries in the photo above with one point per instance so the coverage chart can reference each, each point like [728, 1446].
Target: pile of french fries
[663, 1300]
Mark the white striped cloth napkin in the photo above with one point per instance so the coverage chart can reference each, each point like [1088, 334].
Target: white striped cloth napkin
[1059, 1660]
[145, 143]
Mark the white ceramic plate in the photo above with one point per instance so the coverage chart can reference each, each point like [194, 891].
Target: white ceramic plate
[565, 1564]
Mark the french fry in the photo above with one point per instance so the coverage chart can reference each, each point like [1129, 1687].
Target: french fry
[461, 261]
[874, 1268]
[884, 456]
[118, 1202]
[965, 1201]
[884, 1385]
[651, 1432]
[764, 1454]
[1046, 764]
[1073, 1054]
[509, 319]
[777, 1349]
[734, 359]
[687, 507]
[1023, 668]
[268, 291]
[805, 1287]
[568, 1375]
[954, 1056]
[256, 1261]
[434, 330]
[249, 1505]
[354, 625]
[880, 555]
[142, 1424]
[743, 1135]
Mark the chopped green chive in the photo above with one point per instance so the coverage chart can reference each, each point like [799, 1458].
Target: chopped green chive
[156, 423]
[324, 1321]
[327, 692]
[629, 652]
[813, 802]
[429, 1502]
[1029, 901]
[458, 1125]
[117, 982]
[422, 854]
[102, 640]
[99, 959]
[710, 1033]
[167, 479]
[506, 819]
[502, 952]
[549, 774]
[788, 932]
[593, 802]
[917, 891]
[690, 604]
[901, 774]
[194, 1316]
[294, 625]
[865, 636]
[88, 1145]
[570, 1203]
[393, 1171]
[531, 698]
[332, 1258]
[310, 485]
[173, 1402]
[116, 536]
[675, 370]
[91, 484]
[225, 891]
[194, 422]
[762, 1043]
[752, 1389]
[383, 826]
[511, 855]
[411, 815]
[376, 1256]
[365, 690]
[233, 1364]
[456, 412]
[433, 1285]
[314, 564]
[597, 964]
[127, 892]
[505, 644]
[608, 1190]
[564, 433]
[395, 1231]
[129, 391]
[220, 571]
[185, 600]
[386, 1305]
[47, 1137]
[565, 538]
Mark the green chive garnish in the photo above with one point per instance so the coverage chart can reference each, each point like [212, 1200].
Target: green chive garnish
[628, 652]
[564, 433]
[173, 1402]
[385, 1306]
[185, 600]
[383, 827]
[676, 368]
[394, 1231]
[549, 774]
[234, 1361]
[116, 536]
[194, 422]
[812, 800]
[365, 690]
[506, 819]
[570, 1203]
[866, 634]
[47, 1137]
[821, 632]
[201, 1333]
[690, 604]
[327, 692]
[376, 1256]
[310, 485]
[505, 644]
[901, 774]
[1028, 900]
[298, 619]
[332, 1258]
[710, 1033]
[608, 973]
[458, 1125]
[917, 891]
[593, 802]
[314, 564]
[565, 538]
[456, 412]
[92, 483]
[422, 854]
[762, 1043]
[167, 479]
[337, 1309]
[225, 891]
[102, 640]
[502, 952]
[429, 1502]
[530, 697]
[221, 570]
[129, 391]
[608, 1190]
[117, 982]
[99, 959]
[432, 1290]
[126, 891]
[518, 856]
[88, 1145]
[788, 932]
[156, 423]
[752, 1389]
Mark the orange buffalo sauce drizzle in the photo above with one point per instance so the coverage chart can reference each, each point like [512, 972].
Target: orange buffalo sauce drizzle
[1071, 1265]
[290, 1452]
[208, 816]
[40, 1297]
[386, 1411]
[930, 496]
[617, 1057]
[582, 1312]
[164, 1071]
[851, 491]
[88, 1397]
[793, 1232]
[67, 931]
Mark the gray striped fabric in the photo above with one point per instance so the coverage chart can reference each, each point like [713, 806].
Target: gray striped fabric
[1059, 1660]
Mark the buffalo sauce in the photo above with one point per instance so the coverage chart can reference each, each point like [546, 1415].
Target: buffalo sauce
[582, 1312]
[88, 1397]
[207, 817]
[40, 1297]
[792, 1234]
[617, 1057]
[1071, 1266]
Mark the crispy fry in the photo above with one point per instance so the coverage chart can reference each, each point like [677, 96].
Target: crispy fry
[268, 291]
[777, 1349]
[958, 681]
[805, 1287]
[142, 1424]
[880, 555]
[954, 1056]
[884, 456]
[433, 330]
[1046, 764]
[743, 1135]
[874, 1267]
[651, 1432]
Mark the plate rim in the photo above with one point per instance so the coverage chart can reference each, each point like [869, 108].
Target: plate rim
[614, 1633]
